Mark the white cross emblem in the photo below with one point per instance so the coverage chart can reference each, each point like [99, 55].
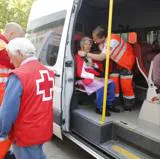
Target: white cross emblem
[43, 80]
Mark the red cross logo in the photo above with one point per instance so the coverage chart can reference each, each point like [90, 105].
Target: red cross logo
[47, 93]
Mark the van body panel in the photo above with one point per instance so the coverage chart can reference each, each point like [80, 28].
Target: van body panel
[45, 8]
[69, 68]
[49, 21]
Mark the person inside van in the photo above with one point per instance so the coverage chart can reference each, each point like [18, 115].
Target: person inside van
[156, 71]
[123, 56]
[89, 72]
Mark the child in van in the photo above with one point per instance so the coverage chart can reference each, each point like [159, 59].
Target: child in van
[89, 71]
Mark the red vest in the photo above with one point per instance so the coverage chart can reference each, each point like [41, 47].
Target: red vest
[4, 59]
[34, 124]
[3, 78]
[5, 67]
[80, 69]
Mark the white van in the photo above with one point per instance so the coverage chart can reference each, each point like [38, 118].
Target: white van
[51, 27]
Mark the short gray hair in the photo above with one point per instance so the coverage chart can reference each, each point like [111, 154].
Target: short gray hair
[85, 39]
[21, 44]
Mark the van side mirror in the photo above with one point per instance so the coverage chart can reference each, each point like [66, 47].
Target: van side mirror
[132, 37]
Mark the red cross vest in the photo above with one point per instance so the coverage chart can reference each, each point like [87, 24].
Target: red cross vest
[5, 67]
[123, 53]
[3, 79]
[34, 124]
[84, 72]
[4, 59]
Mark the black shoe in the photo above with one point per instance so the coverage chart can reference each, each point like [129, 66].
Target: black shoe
[100, 112]
[129, 104]
[127, 108]
[9, 155]
[113, 109]
[118, 101]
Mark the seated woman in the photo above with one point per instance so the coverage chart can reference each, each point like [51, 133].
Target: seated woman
[89, 71]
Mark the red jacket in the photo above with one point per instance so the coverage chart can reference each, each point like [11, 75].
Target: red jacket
[4, 59]
[87, 73]
[34, 124]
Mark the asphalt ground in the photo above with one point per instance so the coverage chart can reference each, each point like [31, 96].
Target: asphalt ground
[66, 149]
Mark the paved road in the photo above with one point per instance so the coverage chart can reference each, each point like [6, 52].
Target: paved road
[58, 149]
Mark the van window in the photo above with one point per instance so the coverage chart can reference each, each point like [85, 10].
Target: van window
[47, 39]
[153, 37]
[49, 50]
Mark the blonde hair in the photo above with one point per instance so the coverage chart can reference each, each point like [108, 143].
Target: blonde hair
[99, 31]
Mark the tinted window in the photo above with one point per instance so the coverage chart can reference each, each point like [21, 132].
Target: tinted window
[47, 39]
[153, 37]
[48, 52]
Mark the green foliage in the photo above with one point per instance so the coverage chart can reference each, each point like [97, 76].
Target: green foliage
[14, 11]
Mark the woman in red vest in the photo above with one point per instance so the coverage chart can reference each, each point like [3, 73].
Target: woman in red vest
[121, 53]
[26, 110]
[89, 71]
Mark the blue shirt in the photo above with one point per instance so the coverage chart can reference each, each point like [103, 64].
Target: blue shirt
[8, 114]
[10, 106]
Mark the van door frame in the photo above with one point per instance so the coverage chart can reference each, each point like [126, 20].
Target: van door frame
[69, 66]
[58, 68]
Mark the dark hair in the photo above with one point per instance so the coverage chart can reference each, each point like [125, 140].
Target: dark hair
[99, 31]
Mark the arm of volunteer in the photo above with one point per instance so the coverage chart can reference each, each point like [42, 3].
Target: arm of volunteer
[10, 105]
[97, 57]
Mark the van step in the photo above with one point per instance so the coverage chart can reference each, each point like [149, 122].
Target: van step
[123, 151]
[86, 124]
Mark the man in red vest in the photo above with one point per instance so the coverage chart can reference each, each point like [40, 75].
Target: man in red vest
[11, 31]
[26, 113]
[121, 53]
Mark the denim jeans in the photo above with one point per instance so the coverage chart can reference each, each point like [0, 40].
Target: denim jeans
[32, 152]
[110, 95]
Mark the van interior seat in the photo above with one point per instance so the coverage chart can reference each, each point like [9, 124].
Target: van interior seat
[76, 41]
[144, 54]
[79, 87]
[148, 53]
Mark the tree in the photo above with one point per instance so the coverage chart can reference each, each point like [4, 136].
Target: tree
[14, 11]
